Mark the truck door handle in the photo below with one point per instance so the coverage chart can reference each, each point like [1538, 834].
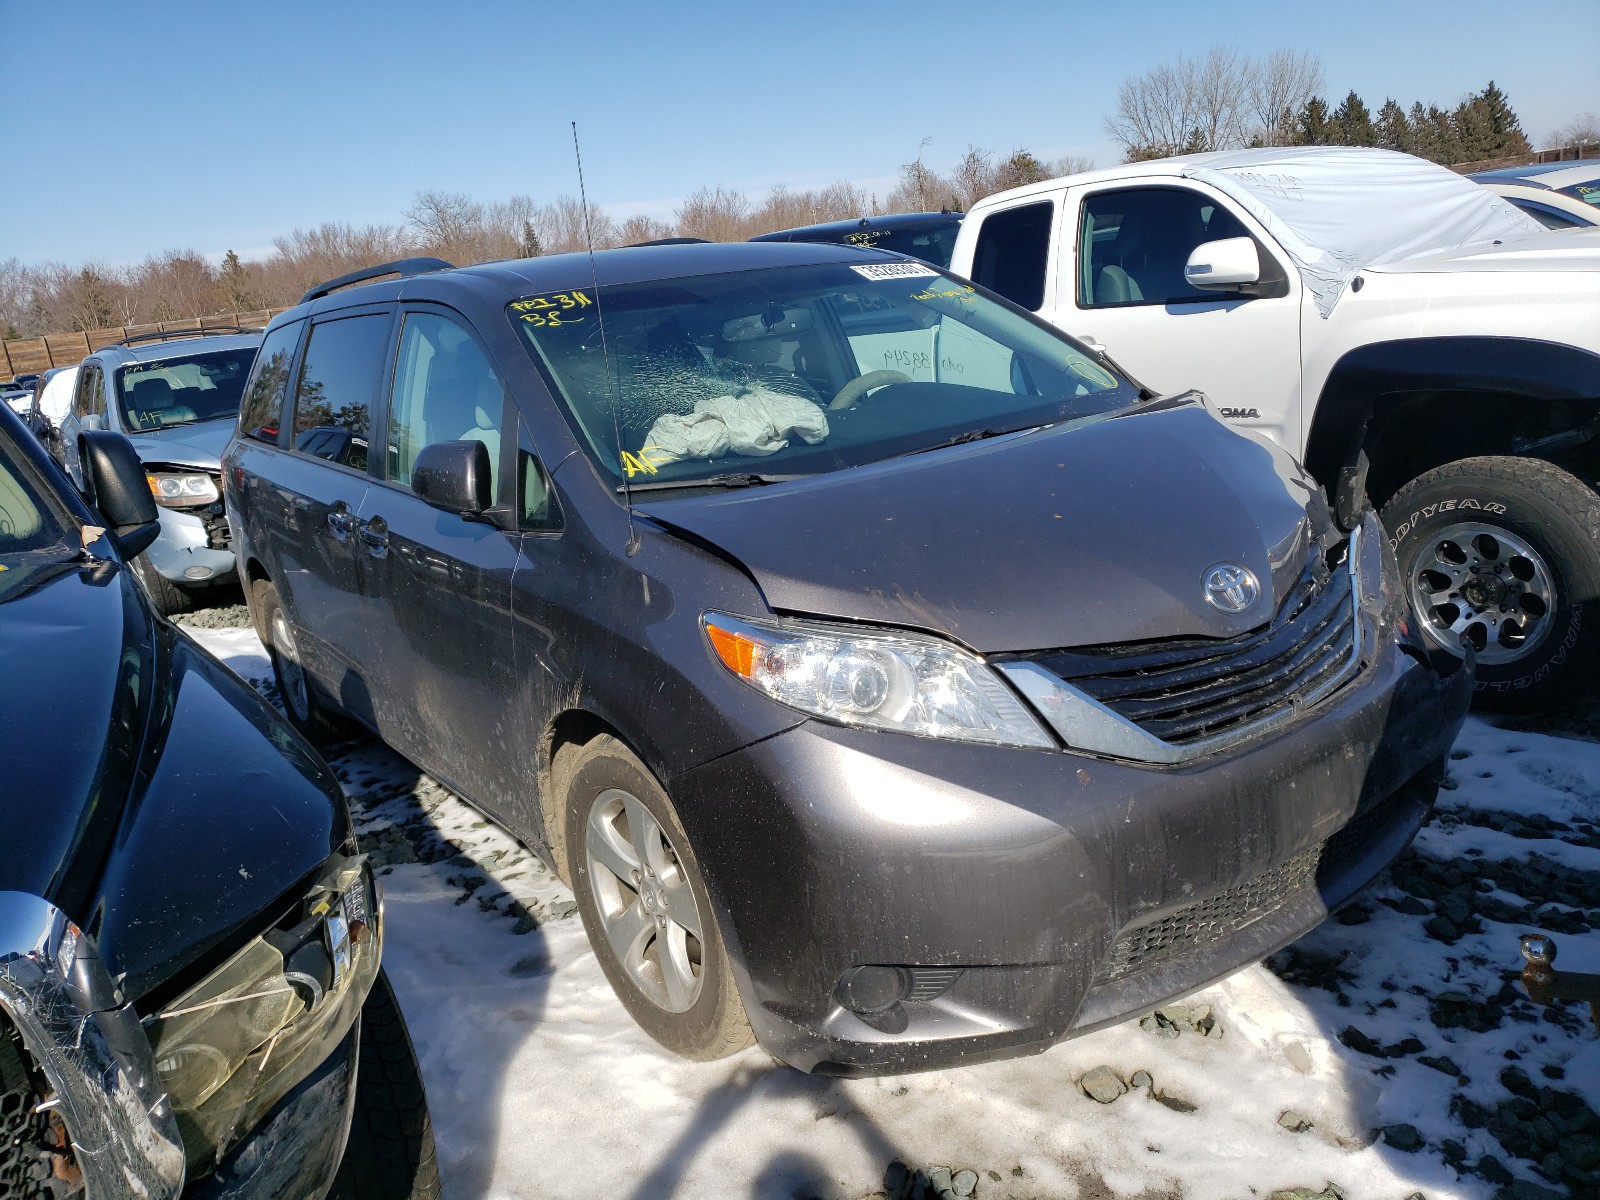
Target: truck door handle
[375, 533]
[342, 521]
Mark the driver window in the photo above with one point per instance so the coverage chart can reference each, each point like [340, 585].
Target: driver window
[1135, 242]
[444, 391]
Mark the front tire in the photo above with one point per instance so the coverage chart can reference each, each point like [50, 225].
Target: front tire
[305, 709]
[165, 596]
[1504, 553]
[645, 908]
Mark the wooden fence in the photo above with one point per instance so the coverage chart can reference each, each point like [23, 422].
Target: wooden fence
[19, 356]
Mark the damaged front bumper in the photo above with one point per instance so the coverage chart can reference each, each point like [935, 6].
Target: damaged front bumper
[1002, 899]
[260, 1050]
[86, 1041]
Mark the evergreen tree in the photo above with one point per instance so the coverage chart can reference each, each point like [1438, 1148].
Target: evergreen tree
[1487, 128]
[234, 280]
[529, 243]
[1353, 123]
[1393, 131]
[1312, 126]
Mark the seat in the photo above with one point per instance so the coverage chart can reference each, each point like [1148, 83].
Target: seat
[152, 399]
[1113, 285]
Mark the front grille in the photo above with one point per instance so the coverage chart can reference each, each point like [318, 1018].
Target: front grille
[1159, 942]
[1188, 690]
[1208, 920]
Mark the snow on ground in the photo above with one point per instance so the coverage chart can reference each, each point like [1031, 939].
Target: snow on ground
[1383, 1054]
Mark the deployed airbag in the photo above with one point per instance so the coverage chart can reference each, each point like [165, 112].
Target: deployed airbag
[756, 421]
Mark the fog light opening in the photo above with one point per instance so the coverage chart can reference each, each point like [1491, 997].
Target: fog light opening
[871, 990]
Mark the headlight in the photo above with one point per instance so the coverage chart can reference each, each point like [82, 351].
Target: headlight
[181, 490]
[876, 680]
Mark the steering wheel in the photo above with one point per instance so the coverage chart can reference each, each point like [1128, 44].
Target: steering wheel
[862, 384]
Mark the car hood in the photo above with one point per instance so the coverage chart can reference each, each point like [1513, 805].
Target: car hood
[1553, 250]
[198, 445]
[1069, 536]
[149, 793]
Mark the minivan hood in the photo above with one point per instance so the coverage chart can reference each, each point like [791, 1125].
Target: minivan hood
[1068, 536]
[198, 445]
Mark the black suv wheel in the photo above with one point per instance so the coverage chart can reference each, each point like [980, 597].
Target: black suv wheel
[1504, 554]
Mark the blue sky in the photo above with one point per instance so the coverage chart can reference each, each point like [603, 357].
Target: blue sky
[134, 127]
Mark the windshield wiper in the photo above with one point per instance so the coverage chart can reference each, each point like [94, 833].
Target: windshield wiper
[734, 480]
[961, 439]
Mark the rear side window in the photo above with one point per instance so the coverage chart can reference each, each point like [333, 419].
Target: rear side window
[90, 400]
[1013, 247]
[339, 376]
[262, 412]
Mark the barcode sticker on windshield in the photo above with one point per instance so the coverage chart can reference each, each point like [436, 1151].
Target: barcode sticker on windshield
[894, 271]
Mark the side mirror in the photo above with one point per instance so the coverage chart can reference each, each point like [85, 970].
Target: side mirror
[1224, 265]
[453, 476]
[118, 488]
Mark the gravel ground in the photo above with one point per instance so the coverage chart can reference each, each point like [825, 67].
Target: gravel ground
[1389, 1054]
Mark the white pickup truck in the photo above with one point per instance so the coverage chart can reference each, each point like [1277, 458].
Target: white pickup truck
[1368, 311]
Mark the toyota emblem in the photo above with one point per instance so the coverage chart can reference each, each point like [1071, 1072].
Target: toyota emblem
[1231, 588]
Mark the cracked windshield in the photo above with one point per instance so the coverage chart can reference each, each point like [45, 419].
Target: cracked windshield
[801, 370]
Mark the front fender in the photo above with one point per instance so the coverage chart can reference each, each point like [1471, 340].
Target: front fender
[1523, 368]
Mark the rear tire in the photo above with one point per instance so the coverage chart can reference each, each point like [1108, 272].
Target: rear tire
[389, 1154]
[302, 704]
[1505, 552]
[165, 596]
[672, 973]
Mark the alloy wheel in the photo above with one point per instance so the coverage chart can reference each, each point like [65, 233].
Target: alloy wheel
[1484, 586]
[296, 691]
[647, 909]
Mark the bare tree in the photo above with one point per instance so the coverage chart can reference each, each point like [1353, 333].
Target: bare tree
[1583, 129]
[1212, 103]
[1070, 164]
[1279, 86]
[715, 214]
[642, 229]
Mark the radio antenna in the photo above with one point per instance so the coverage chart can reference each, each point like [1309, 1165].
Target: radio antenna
[612, 393]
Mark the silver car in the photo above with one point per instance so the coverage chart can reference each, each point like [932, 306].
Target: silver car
[176, 397]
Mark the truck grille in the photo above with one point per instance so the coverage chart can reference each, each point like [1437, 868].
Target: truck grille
[1188, 690]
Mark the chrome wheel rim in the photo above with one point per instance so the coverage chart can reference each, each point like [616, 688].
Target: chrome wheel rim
[296, 693]
[647, 911]
[1482, 585]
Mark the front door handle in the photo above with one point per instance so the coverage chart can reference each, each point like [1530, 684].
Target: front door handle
[342, 521]
[375, 533]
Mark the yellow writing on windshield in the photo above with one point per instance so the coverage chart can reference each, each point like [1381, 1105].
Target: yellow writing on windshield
[965, 293]
[552, 310]
[641, 463]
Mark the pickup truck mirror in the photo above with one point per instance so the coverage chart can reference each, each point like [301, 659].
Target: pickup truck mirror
[120, 491]
[1224, 265]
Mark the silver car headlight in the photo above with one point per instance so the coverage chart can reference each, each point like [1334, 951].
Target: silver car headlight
[875, 679]
[1377, 582]
[182, 489]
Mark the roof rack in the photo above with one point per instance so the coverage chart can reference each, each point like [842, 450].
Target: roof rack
[671, 241]
[162, 335]
[403, 267]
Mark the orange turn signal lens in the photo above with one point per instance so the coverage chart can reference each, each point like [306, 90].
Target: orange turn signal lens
[737, 652]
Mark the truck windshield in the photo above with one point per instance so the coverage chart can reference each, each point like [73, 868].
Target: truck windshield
[801, 370]
[182, 391]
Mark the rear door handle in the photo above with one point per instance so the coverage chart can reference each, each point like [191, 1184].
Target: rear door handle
[375, 533]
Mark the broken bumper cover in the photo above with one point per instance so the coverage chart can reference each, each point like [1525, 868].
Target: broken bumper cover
[1025, 895]
[87, 1043]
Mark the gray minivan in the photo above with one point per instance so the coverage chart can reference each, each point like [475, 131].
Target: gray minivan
[893, 679]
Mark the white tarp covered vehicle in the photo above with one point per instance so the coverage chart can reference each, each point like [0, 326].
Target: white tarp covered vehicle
[1359, 307]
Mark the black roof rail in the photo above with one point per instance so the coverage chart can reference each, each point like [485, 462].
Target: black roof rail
[671, 241]
[403, 267]
[162, 335]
